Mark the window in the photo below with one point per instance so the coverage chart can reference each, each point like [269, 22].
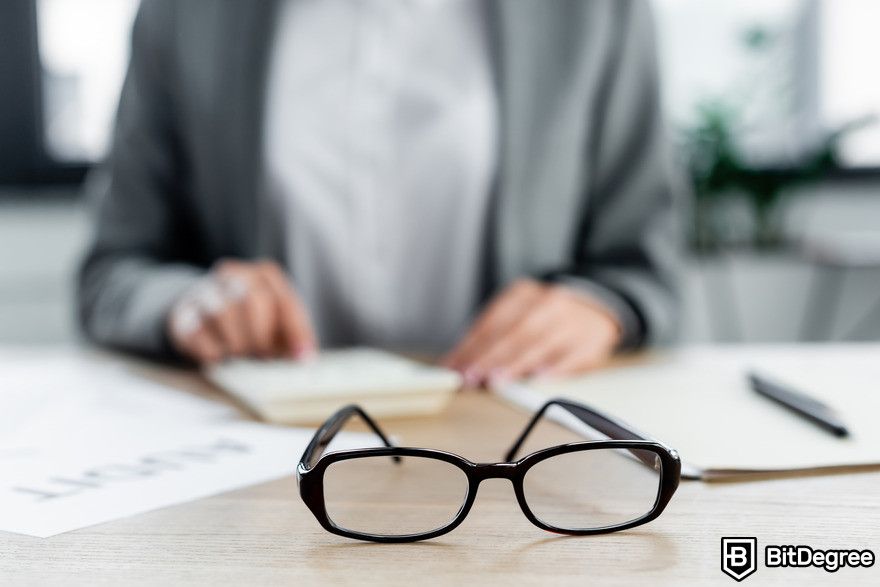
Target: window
[83, 48]
[850, 79]
[794, 70]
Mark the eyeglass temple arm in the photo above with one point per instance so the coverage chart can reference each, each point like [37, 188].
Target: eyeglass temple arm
[596, 421]
[328, 431]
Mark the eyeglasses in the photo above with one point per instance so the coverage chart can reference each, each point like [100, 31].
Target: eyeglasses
[402, 494]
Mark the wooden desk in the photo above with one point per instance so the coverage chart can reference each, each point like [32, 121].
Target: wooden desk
[265, 535]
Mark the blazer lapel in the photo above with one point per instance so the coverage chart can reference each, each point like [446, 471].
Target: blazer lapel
[507, 21]
[243, 58]
[503, 222]
[533, 206]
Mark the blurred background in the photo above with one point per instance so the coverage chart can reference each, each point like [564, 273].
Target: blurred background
[773, 106]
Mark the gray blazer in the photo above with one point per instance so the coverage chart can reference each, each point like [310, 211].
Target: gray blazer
[583, 192]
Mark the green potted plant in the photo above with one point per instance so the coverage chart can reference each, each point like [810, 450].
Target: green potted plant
[720, 170]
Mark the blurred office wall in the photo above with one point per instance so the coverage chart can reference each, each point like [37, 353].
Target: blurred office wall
[783, 75]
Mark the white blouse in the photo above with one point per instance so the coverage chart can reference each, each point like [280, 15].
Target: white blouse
[381, 140]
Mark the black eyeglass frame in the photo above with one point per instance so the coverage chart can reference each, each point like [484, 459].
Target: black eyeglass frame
[313, 464]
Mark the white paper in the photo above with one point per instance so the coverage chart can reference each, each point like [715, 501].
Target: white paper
[82, 444]
[697, 401]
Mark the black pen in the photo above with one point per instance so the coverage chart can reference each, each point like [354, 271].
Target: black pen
[799, 403]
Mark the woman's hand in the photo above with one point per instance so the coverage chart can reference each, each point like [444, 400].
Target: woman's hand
[535, 329]
[241, 309]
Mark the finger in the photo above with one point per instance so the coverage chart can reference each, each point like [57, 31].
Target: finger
[504, 309]
[536, 357]
[184, 320]
[258, 310]
[254, 304]
[209, 301]
[493, 322]
[229, 327]
[202, 347]
[543, 320]
[484, 322]
[296, 331]
[577, 360]
[188, 334]
[225, 267]
[494, 361]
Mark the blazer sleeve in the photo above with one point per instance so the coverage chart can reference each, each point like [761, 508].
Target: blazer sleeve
[134, 269]
[628, 250]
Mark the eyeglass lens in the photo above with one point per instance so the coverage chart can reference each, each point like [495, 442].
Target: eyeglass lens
[376, 495]
[591, 489]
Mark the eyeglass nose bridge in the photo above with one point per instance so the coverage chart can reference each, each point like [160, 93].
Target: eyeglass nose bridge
[484, 471]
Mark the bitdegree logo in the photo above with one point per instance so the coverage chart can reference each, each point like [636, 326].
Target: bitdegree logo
[831, 560]
[739, 556]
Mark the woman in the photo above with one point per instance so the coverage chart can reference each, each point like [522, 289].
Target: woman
[484, 179]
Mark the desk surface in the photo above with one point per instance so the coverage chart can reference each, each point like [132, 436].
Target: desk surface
[265, 535]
